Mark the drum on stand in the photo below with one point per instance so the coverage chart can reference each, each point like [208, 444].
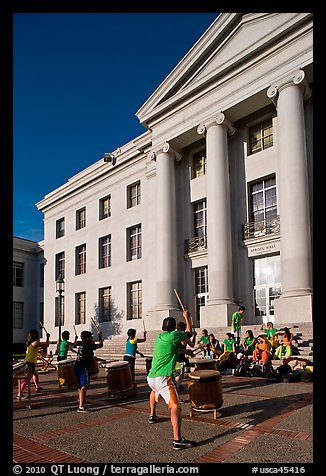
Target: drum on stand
[119, 379]
[205, 364]
[205, 391]
[66, 374]
[148, 364]
[19, 370]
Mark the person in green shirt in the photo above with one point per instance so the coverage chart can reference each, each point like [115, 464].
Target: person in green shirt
[272, 335]
[203, 343]
[65, 345]
[229, 347]
[249, 343]
[160, 377]
[237, 318]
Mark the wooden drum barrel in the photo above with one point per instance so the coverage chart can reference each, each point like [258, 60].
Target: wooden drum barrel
[205, 364]
[205, 390]
[119, 378]
[66, 374]
[94, 368]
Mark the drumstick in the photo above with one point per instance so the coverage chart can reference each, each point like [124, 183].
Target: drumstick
[182, 307]
[43, 328]
[96, 325]
[75, 330]
[144, 326]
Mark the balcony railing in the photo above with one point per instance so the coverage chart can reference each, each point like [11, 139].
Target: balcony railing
[195, 244]
[261, 228]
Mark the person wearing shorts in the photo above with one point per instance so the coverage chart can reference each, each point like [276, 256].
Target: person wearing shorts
[160, 376]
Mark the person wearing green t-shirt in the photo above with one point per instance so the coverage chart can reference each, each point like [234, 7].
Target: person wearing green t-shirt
[272, 335]
[65, 345]
[229, 347]
[237, 318]
[160, 377]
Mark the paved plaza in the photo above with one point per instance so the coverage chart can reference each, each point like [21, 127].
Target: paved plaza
[261, 421]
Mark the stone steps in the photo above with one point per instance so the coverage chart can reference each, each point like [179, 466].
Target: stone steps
[113, 348]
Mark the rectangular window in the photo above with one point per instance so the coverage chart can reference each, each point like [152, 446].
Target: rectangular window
[134, 300]
[263, 201]
[18, 274]
[261, 136]
[18, 315]
[201, 289]
[105, 304]
[200, 219]
[60, 265]
[133, 195]
[105, 251]
[59, 311]
[80, 306]
[81, 218]
[105, 207]
[60, 228]
[80, 259]
[134, 243]
[199, 164]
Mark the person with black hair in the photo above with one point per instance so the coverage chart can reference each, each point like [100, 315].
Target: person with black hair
[65, 345]
[160, 377]
[83, 362]
[131, 349]
[237, 318]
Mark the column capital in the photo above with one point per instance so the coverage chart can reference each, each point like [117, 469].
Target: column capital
[221, 120]
[297, 78]
[164, 148]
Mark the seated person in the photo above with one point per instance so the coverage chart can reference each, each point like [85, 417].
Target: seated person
[229, 347]
[249, 343]
[203, 343]
[272, 335]
[214, 347]
[261, 353]
[285, 345]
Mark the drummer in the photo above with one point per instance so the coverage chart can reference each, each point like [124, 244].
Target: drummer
[83, 362]
[131, 349]
[65, 345]
[160, 376]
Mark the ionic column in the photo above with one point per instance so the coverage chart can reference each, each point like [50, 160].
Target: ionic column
[166, 249]
[288, 95]
[218, 211]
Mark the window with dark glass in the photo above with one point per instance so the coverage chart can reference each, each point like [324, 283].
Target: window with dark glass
[134, 243]
[105, 304]
[60, 265]
[133, 194]
[200, 219]
[80, 303]
[60, 228]
[105, 251]
[134, 290]
[81, 218]
[105, 207]
[18, 274]
[80, 259]
[201, 289]
[263, 200]
[18, 315]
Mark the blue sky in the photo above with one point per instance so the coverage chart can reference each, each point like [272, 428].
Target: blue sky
[78, 80]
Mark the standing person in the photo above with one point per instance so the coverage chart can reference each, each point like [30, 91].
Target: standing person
[33, 345]
[160, 377]
[131, 349]
[286, 343]
[237, 318]
[65, 345]
[83, 362]
[182, 356]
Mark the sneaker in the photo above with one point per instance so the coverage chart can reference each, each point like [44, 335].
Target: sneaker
[182, 444]
[39, 389]
[153, 419]
[82, 410]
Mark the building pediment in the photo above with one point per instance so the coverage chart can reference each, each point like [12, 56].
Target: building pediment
[228, 45]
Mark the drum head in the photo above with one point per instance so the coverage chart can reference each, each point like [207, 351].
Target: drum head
[204, 375]
[118, 364]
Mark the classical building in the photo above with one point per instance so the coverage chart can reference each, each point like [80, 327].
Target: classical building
[28, 285]
[214, 200]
